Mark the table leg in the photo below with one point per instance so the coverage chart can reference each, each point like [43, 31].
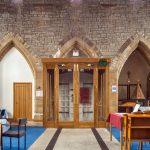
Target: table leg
[110, 132]
[129, 144]
[141, 145]
[121, 140]
[124, 141]
[127, 110]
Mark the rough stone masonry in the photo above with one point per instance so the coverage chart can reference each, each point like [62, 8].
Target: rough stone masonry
[46, 25]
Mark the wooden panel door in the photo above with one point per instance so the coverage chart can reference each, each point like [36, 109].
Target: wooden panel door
[23, 100]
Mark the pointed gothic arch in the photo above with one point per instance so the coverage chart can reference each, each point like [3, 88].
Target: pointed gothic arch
[137, 41]
[87, 48]
[14, 40]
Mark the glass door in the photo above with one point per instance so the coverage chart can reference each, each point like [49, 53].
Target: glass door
[76, 95]
[86, 94]
[66, 101]
[75, 92]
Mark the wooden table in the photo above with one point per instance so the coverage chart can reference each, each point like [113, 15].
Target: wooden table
[138, 128]
[128, 106]
[116, 120]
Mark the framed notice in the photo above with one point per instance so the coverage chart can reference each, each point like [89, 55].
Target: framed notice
[39, 93]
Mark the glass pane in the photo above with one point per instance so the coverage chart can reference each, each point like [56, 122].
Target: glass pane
[86, 103]
[50, 95]
[66, 108]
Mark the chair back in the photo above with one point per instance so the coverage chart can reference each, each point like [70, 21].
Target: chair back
[3, 113]
[22, 121]
[17, 130]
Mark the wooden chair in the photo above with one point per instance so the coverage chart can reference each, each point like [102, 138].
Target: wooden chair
[17, 130]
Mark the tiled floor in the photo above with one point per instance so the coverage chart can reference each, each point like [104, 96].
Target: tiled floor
[75, 139]
[42, 142]
[112, 145]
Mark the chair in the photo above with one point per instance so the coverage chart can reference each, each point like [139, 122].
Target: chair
[3, 113]
[17, 130]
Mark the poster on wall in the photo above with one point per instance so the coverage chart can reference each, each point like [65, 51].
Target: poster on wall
[84, 95]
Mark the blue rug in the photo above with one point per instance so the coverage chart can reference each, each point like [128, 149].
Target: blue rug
[134, 145]
[32, 134]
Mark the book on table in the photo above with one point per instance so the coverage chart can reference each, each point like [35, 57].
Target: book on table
[141, 110]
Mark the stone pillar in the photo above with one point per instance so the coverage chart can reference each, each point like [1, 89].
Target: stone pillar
[113, 98]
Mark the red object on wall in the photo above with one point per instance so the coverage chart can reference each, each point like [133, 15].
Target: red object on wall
[84, 95]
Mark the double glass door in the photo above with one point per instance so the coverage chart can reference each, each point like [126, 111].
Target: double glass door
[75, 94]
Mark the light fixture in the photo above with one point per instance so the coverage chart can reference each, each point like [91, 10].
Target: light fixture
[89, 65]
[128, 74]
[82, 70]
[61, 65]
[17, 1]
[76, 1]
[69, 70]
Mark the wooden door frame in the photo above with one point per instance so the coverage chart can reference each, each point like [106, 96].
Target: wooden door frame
[47, 63]
[14, 83]
[148, 86]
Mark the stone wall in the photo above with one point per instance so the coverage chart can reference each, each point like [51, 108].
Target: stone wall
[46, 25]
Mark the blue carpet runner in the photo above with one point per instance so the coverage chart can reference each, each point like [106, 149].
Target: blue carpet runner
[32, 134]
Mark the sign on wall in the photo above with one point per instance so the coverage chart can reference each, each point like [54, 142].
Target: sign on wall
[39, 93]
[114, 88]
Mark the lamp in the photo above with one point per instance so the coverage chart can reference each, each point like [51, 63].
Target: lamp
[128, 73]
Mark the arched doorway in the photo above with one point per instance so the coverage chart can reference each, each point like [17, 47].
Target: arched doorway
[75, 88]
[88, 50]
[17, 67]
[17, 85]
[135, 70]
[137, 42]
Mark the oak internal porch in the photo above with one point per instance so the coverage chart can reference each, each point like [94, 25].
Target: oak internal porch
[75, 92]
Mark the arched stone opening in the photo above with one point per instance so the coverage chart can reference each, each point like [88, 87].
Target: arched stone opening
[137, 44]
[14, 40]
[86, 48]
[67, 77]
